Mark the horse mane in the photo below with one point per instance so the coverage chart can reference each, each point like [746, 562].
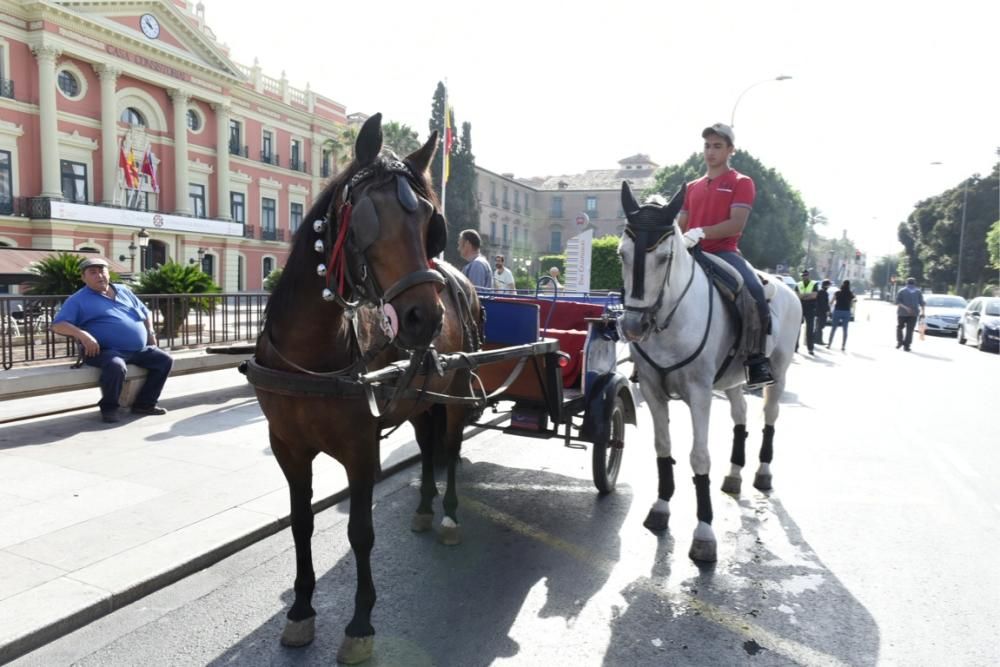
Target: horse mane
[303, 258]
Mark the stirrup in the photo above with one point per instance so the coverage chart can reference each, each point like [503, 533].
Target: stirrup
[758, 373]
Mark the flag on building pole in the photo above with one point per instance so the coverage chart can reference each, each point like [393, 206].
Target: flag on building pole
[149, 169]
[123, 164]
[446, 158]
[133, 169]
[449, 140]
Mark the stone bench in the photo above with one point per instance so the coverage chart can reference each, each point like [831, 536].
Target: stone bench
[20, 383]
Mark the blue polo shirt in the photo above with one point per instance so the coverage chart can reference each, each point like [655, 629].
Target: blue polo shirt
[118, 324]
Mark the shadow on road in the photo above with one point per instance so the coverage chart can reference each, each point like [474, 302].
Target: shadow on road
[457, 605]
[773, 601]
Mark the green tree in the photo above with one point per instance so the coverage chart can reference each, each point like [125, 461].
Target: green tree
[272, 280]
[546, 262]
[993, 243]
[59, 274]
[814, 217]
[777, 225]
[399, 138]
[176, 278]
[605, 265]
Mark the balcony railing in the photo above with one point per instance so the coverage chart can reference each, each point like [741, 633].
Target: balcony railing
[181, 321]
[269, 234]
[235, 149]
[297, 165]
[270, 158]
[7, 88]
[506, 204]
[249, 232]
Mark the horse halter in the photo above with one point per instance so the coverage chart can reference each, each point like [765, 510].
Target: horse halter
[356, 227]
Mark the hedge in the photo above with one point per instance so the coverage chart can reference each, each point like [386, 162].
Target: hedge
[605, 265]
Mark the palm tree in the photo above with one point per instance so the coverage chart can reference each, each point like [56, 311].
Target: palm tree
[813, 218]
[400, 138]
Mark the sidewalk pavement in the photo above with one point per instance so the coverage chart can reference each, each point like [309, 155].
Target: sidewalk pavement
[94, 516]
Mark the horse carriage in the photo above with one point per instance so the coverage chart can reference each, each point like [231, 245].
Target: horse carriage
[553, 357]
[365, 331]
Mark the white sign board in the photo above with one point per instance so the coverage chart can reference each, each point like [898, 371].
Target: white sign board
[578, 251]
[61, 210]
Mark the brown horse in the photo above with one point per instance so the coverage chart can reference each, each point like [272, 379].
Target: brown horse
[375, 226]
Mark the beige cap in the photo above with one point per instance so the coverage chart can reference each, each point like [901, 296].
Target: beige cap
[722, 130]
[93, 261]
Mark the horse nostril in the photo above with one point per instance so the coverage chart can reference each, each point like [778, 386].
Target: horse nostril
[414, 316]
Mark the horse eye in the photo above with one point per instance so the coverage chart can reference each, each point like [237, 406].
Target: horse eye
[661, 260]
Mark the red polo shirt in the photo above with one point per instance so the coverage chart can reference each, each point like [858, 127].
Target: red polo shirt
[708, 202]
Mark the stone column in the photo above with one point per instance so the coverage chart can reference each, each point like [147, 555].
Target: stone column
[48, 125]
[180, 98]
[109, 132]
[222, 159]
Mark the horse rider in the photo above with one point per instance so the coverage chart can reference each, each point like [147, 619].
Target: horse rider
[715, 212]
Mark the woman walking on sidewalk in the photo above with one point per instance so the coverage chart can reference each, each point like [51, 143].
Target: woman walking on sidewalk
[843, 300]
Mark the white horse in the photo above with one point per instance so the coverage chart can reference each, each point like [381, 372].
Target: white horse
[681, 334]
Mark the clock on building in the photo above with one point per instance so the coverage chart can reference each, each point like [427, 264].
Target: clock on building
[150, 26]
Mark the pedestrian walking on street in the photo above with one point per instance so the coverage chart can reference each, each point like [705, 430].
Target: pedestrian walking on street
[115, 329]
[808, 293]
[843, 302]
[822, 310]
[909, 306]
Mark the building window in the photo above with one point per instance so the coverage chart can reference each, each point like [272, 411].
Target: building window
[557, 209]
[74, 181]
[6, 184]
[506, 201]
[493, 230]
[505, 233]
[295, 219]
[131, 116]
[236, 137]
[555, 240]
[517, 200]
[193, 121]
[268, 219]
[68, 83]
[526, 197]
[295, 161]
[268, 267]
[238, 207]
[493, 193]
[591, 206]
[266, 146]
[324, 170]
[196, 196]
[208, 265]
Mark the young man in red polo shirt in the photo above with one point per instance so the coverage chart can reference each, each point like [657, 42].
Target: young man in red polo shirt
[716, 209]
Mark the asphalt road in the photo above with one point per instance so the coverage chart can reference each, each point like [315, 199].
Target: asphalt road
[878, 545]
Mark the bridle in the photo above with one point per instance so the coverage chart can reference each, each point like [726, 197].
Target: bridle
[641, 234]
[344, 243]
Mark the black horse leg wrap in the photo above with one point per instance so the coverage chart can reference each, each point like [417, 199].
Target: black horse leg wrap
[704, 498]
[665, 468]
[767, 448]
[739, 456]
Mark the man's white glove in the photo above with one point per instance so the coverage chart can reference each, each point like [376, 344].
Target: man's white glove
[692, 236]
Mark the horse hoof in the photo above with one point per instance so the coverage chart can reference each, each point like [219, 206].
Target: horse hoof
[703, 551]
[656, 521]
[421, 523]
[299, 633]
[355, 649]
[732, 484]
[762, 482]
[450, 535]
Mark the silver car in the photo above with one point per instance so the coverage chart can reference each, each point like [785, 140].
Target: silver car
[981, 323]
[943, 311]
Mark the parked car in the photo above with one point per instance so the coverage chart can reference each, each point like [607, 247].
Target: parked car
[943, 312]
[981, 323]
[789, 281]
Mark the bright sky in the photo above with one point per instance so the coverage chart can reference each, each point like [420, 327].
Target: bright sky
[880, 89]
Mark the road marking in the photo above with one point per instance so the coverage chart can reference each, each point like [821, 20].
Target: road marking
[735, 623]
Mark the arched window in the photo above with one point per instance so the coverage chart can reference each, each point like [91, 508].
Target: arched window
[193, 120]
[131, 116]
[268, 267]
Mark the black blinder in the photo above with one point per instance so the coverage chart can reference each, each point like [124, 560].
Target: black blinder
[404, 192]
[364, 224]
[437, 235]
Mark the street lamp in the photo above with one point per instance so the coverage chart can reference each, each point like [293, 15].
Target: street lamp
[201, 258]
[143, 245]
[131, 256]
[732, 116]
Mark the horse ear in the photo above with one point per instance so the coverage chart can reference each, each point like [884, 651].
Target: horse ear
[629, 204]
[676, 202]
[421, 158]
[369, 142]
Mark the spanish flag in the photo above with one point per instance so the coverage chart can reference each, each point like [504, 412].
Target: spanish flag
[131, 179]
[449, 139]
[132, 172]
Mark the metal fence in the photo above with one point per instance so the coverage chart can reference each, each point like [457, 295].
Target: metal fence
[181, 321]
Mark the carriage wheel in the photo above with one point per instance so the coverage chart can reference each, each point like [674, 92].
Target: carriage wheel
[608, 454]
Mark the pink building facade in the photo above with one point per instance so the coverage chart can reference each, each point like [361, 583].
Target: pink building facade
[98, 98]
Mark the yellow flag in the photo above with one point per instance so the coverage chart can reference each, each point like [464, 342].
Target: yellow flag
[448, 141]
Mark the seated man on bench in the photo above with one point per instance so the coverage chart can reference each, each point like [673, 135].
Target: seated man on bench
[115, 329]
